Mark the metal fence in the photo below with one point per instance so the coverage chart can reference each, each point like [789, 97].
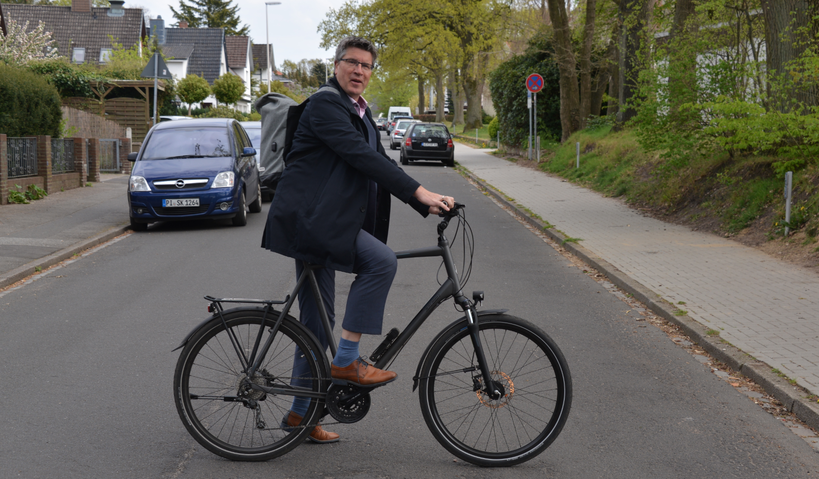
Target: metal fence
[22, 157]
[62, 155]
[109, 156]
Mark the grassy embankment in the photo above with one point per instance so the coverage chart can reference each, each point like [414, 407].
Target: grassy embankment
[721, 194]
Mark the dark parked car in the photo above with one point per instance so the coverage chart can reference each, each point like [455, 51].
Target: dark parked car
[195, 169]
[254, 131]
[428, 141]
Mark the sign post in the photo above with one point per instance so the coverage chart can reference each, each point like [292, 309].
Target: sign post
[534, 83]
[156, 68]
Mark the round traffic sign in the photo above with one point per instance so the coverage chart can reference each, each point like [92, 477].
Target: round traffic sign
[534, 83]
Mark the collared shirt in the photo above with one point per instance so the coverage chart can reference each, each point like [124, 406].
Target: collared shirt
[360, 105]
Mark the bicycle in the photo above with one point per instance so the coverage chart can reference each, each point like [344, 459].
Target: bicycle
[494, 389]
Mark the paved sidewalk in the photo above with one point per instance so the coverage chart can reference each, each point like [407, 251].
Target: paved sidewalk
[765, 307]
[47, 231]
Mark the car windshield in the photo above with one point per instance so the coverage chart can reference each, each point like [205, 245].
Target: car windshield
[193, 142]
[255, 135]
[429, 131]
[402, 125]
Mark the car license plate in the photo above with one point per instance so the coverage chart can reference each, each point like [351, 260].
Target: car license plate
[429, 144]
[180, 202]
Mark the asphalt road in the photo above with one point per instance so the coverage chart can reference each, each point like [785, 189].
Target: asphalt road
[86, 364]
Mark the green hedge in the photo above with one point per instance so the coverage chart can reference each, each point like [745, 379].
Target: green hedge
[508, 86]
[29, 105]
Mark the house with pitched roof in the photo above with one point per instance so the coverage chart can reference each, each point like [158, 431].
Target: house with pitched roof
[260, 65]
[197, 51]
[240, 62]
[82, 33]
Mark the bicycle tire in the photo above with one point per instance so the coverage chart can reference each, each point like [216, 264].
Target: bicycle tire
[521, 424]
[207, 378]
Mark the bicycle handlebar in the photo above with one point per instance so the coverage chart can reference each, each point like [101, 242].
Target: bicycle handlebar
[453, 211]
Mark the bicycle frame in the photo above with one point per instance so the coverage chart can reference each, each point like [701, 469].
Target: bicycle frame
[449, 288]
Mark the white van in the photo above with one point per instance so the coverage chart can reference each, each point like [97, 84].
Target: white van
[398, 111]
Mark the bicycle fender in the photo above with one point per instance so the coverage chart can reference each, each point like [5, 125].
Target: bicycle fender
[203, 323]
[457, 324]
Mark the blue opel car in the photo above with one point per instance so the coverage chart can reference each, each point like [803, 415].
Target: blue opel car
[196, 169]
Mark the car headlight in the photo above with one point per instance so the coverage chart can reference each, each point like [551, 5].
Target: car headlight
[138, 183]
[223, 180]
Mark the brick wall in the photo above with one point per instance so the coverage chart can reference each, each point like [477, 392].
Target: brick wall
[4, 170]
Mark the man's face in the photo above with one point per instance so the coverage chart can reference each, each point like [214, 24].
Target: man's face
[354, 79]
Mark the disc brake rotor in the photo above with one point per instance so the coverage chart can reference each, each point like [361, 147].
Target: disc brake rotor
[507, 388]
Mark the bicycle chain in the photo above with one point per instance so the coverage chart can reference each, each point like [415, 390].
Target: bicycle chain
[323, 423]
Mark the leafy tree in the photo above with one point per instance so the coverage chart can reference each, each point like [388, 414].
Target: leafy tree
[211, 14]
[228, 88]
[192, 89]
[20, 47]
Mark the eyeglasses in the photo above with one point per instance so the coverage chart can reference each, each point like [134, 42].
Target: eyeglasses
[354, 63]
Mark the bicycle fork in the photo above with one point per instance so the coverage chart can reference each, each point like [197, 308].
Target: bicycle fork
[491, 387]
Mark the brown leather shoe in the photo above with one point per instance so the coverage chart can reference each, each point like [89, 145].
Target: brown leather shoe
[361, 374]
[318, 435]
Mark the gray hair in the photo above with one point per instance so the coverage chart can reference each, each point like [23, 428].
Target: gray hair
[355, 42]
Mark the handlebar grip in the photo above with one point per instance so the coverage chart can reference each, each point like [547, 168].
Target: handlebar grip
[453, 210]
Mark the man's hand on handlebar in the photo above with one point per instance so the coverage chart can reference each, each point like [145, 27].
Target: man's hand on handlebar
[437, 203]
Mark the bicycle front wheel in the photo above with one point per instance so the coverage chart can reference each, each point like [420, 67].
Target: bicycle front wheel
[534, 380]
[212, 393]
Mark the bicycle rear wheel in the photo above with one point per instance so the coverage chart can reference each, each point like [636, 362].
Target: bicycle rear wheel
[213, 398]
[536, 391]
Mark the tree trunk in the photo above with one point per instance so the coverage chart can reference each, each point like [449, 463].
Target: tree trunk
[457, 99]
[569, 92]
[600, 82]
[421, 94]
[612, 107]
[441, 97]
[682, 59]
[788, 30]
[585, 64]
[633, 15]
[473, 86]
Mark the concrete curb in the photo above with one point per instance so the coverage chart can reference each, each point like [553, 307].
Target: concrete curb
[17, 274]
[794, 398]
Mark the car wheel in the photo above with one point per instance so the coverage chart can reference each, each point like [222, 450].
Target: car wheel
[450, 162]
[256, 206]
[241, 216]
[404, 160]
[137, 226]
[392, 145]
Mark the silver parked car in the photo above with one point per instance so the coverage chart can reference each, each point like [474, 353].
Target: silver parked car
[397, 134]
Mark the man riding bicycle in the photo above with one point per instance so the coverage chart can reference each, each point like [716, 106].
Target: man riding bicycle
[332, 208]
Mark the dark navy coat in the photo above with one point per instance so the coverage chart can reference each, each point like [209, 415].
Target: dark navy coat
[321, 200]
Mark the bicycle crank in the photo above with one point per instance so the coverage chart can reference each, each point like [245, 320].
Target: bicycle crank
[347, 404]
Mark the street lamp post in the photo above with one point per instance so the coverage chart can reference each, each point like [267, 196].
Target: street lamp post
[267, 47]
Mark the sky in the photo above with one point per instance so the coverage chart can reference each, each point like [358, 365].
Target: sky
[292, 25]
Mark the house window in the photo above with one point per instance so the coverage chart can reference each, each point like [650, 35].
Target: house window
[105, 55]
[78, 55]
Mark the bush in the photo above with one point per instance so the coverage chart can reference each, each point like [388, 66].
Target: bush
[223, 111]
[70, 80]
[28, 104]
[509, 95]
[493, 128]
